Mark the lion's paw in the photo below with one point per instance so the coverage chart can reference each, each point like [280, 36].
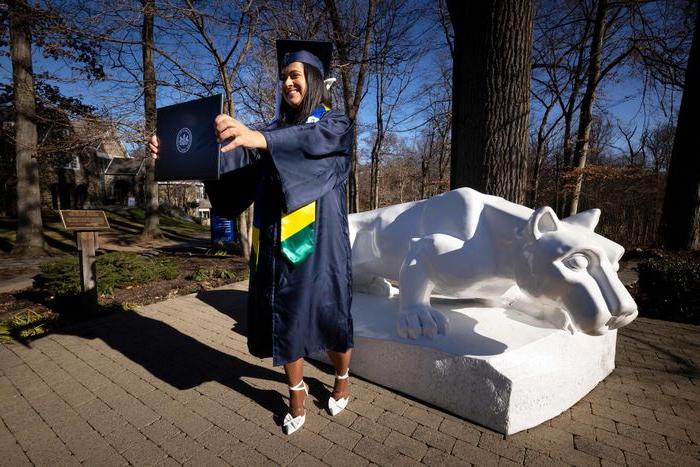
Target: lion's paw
[421, 320]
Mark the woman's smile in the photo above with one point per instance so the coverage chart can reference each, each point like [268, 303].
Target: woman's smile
[293, 84]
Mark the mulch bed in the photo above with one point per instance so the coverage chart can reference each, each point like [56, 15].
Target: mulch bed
[40, 302]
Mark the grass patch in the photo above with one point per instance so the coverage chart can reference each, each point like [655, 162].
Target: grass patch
[135, 217]
[126, 224]
[116, 270]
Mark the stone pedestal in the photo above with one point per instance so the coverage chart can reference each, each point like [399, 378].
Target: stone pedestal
[497, 367]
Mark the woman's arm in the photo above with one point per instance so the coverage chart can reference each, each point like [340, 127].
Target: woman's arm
[332, 135]
[310, 159]
[235, 189]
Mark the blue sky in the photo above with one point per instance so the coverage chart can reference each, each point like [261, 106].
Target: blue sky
[621, 99]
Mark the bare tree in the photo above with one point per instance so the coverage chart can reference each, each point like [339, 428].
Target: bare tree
[491, 105]
[586, 114]
[228, 56]
[30, 238]
[151, 224]
[544, 131]
[352, 29]
[44, 26]
[636, 150]
[394, 57]
[660, 146]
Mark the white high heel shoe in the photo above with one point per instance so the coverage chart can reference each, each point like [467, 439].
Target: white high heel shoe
[292, 424]
[337, 406]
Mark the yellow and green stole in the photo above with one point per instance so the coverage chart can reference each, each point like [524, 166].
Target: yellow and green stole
[296, 228]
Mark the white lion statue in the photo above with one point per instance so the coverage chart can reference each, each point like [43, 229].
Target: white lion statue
[466, 244]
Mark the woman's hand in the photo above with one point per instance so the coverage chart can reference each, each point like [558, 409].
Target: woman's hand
[228, 128]
[153, 145]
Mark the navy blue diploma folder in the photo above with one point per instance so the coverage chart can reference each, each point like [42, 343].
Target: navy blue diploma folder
[188, 149]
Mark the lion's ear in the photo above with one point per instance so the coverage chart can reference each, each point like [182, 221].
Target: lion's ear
[588, 219]
[543, 220]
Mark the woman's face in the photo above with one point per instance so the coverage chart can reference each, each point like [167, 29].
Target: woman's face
[293, 84]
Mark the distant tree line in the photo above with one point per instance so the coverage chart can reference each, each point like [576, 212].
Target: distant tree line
[511, 98]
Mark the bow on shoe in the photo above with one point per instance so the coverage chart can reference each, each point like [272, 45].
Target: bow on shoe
[336, 406]
[292, 424]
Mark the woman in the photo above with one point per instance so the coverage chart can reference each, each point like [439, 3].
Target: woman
[296, 172]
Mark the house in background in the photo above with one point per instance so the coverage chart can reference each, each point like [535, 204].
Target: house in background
[95, 171]
[84, 165]
[204, 211]
[123, 181]
[187, 196]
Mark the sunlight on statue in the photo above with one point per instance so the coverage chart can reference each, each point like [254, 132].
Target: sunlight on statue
[464, 244]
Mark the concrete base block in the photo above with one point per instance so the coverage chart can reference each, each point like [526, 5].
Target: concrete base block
[498, 367]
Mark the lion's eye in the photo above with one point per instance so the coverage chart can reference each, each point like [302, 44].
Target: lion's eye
[576, 262]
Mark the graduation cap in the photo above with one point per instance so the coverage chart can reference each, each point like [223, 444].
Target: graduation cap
[314, 53]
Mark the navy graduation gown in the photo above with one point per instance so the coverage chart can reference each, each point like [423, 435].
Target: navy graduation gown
[294, 311]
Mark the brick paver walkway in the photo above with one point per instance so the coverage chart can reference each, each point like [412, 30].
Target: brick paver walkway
[173, 384]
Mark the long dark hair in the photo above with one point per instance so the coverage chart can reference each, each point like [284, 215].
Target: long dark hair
[316, 94]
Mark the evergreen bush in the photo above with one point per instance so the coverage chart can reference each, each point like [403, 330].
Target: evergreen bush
[669, 288]
[115, 270]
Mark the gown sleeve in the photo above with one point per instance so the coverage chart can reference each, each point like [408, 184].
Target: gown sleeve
[310, 159]
[234, 191]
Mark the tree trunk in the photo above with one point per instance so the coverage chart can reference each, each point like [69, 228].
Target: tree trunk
[151, 225]
[568, 121]
[377, 147]
[538, 160]
[426, 155]
[244, 222]
[586, 115]
[491, 96]
[30, 238]
[680, 219]
[374, 173]
[351, 97]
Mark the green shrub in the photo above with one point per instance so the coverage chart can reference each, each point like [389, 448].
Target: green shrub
[669, 288]
[60, 277]
[115, 270]
[23, 325]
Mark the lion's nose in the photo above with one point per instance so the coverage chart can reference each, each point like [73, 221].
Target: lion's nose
[623, 319]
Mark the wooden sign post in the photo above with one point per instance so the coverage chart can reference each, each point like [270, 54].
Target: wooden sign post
[86, 224]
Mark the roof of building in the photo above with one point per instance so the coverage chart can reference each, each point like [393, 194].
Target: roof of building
[100, 135]
[126, 166]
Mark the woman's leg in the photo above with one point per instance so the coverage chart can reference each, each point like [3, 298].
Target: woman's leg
[295, 373]
[341, 362]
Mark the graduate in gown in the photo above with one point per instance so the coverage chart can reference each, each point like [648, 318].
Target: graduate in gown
[295, 171]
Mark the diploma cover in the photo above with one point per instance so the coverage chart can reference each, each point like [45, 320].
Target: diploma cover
[188, 148]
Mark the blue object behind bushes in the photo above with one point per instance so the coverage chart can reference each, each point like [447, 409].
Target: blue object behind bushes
[222, 230]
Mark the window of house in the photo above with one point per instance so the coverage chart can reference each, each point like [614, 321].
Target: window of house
[73, 164]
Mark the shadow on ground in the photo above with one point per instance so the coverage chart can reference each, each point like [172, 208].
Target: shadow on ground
[678, 364]
[180, 360]
[233, 303]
